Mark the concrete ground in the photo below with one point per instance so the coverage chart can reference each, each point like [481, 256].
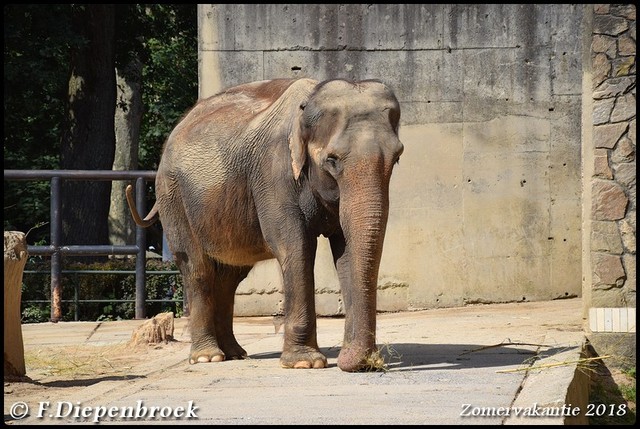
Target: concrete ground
[486, 364]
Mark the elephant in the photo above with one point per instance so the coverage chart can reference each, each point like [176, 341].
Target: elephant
[260, 171]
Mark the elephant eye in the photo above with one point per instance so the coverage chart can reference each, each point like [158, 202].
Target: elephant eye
[332, 165]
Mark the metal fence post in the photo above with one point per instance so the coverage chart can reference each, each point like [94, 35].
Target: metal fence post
[76, 301]
[56, 257]
[141, 242]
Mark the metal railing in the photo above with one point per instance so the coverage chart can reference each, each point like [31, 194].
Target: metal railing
[56, 249]
[76, 301]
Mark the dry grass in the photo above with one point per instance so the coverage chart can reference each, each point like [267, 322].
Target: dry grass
[581, 363]
[79, 361]
[376, 361]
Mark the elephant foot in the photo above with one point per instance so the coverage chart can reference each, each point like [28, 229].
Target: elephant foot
[234, 352]
[354, 359]
[303, 357]
[211, 354]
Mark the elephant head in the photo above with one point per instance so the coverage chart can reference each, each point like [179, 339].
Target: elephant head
[346, 142]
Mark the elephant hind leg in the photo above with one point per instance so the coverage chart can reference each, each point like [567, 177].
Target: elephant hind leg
[199, 276]
[227, 280]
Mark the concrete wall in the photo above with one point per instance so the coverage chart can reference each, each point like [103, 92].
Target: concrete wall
[486, 201]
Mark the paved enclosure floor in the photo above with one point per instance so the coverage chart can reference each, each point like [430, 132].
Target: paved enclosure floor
[470, 365]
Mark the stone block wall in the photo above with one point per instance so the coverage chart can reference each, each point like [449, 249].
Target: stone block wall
[613, 203]
[610, 210]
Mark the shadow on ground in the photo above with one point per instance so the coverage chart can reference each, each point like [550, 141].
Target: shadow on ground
[424, 357]
[609, 403]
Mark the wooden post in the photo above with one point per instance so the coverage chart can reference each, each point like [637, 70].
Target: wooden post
[15, 258]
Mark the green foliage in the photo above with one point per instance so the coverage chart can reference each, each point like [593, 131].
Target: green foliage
[36, 44]
[170, 76]
[38, 41]
[612, 395]
[110, 285]
[629, 390]
[36, 313]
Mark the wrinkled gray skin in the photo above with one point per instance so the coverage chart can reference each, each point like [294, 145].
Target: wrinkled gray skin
[260, 171]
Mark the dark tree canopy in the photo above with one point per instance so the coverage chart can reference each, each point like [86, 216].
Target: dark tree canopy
[41, 42]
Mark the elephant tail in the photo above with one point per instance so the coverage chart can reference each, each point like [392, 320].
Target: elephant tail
[149, 220]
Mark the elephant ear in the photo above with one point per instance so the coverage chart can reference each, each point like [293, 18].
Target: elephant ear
[297, 144]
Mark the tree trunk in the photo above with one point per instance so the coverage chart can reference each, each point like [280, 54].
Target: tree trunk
[128, 118]
[89, 139]
[15, 258]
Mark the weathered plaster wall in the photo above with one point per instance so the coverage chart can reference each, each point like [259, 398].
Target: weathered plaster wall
[486, 201]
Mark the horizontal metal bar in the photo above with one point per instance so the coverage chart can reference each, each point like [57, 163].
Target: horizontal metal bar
[172, 272]
[79, 174]
[78, 250]
[80, 301]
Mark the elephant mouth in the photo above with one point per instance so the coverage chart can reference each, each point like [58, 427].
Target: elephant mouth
[332, 206]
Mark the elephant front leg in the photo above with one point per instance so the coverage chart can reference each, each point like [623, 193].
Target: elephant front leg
[359, 351]
[300, 342]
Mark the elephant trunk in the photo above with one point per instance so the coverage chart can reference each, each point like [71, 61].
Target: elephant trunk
[363, 221]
